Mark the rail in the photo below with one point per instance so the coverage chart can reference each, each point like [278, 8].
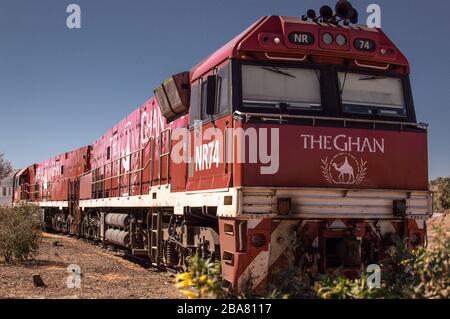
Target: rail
[166, 154]
[150, 162]
[99, 186]
[370, 66]
[38, 194]
[102, 182]
[119, 161]
[270, 57]
[283, 117]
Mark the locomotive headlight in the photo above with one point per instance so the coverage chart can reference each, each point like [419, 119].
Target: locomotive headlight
[327, 38]
[341, 40]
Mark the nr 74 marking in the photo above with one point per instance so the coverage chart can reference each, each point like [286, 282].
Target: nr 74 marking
[206, 155]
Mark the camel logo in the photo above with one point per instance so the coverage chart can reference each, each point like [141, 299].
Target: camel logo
[344, 169]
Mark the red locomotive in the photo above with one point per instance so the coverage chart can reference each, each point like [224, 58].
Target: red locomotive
[295, 144]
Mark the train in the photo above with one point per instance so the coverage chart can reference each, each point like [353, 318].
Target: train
[295, 144]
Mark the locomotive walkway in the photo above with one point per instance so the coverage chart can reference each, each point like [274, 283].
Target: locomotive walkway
[104, 274]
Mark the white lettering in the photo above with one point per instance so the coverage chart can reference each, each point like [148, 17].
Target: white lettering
[74, 19]
[343, 143]
[274, 158]
[206, 155]
[374, 19]
[336, 146]
[374, 279]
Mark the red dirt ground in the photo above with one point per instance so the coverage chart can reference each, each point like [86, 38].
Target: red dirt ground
[104, 274]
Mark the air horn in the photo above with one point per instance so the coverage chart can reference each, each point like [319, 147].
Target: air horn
[343, 10]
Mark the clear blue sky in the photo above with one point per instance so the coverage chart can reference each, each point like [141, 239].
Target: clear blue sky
[61, 89]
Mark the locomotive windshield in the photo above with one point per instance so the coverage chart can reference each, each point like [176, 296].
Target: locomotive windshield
[271, 87]
[371, 95]
[294, 90]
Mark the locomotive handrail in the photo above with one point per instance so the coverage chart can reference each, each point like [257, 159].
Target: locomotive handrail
[49, 183]
[285, 58]
[119, 175]
[123, 174]
[140, 170]
[167, 153]
[325, 118]
[370, 66]
[120, 158]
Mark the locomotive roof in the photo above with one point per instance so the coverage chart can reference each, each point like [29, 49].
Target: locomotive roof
[62, 155]
[280, 26]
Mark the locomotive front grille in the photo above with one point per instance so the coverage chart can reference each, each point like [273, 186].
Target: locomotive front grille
[333, 203]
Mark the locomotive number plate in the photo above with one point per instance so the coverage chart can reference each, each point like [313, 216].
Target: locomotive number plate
[301, 38]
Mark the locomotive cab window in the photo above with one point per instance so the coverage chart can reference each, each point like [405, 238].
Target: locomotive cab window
[223, 76]
[220, 96]
[273, 87]
[375, 95]
[195, 109]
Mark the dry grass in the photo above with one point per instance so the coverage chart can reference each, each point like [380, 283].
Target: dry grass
[438, 221]
[105, 274]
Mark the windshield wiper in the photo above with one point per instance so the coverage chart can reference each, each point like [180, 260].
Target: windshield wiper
[374, 77]
[275, 70]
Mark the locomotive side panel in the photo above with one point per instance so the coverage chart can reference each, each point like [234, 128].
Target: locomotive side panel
[210, 166]
[320, 157]
[53, 176]
[135, 155]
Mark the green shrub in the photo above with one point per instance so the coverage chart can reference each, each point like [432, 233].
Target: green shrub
[337, 287]
[203, 280]
[441, 198]
[290, 283]
[20, 232]
[430, 270]
[406, 274]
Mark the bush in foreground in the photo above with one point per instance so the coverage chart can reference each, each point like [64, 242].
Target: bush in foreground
[203, 280]
[419, 273]
[441, 198]
[20, 232]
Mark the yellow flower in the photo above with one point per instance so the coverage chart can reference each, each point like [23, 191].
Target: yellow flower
[190, 294]
[182, 284]
[203, 278]
[204, 291]
[184, 276]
